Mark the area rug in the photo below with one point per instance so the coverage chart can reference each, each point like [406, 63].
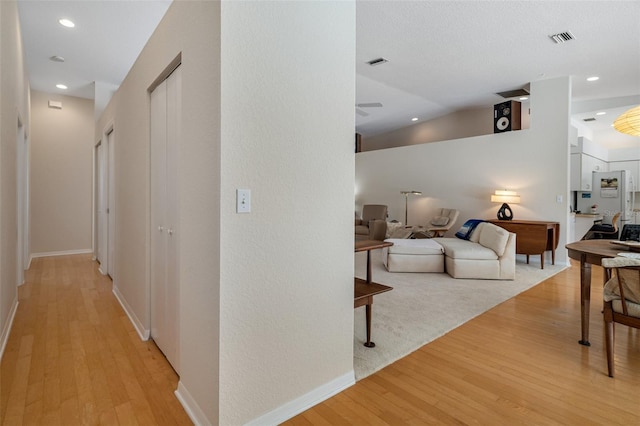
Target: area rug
[424, 306]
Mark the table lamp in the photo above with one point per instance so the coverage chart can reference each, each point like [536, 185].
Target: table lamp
[504, 197]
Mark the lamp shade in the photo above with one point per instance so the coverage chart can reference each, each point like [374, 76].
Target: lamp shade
[629, 122]
[503, 196]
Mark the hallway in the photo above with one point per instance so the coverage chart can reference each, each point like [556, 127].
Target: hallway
[73, 356]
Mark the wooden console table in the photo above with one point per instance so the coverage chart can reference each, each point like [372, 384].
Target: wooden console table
[533, 237]
[364, 290]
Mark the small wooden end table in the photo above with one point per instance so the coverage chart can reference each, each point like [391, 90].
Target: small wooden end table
[364, 290]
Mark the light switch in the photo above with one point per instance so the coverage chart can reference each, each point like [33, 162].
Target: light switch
[243, 200]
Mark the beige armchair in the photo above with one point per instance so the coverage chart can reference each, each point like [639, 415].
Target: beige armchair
[373, 224]
[438, 225]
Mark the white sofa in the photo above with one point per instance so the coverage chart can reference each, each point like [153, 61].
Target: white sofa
[490, 253]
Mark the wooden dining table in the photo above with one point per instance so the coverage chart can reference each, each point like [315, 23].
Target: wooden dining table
[590, 252]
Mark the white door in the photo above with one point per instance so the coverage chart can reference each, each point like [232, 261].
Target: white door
[100, 207]
[103, 190]
[21, 203]
[165, 131]
[111, 204]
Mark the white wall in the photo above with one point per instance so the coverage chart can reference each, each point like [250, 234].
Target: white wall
[61, 177]
[191, 29]
[14, 104]
[288, 90]
[463, 173]
[266, 308]
[624, 154]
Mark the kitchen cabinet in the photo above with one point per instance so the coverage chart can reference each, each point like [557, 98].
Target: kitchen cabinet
[582, 167]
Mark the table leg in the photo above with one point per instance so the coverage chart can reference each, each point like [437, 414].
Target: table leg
[553, 244]
[369, 343]
[585, 300]
[368, 267]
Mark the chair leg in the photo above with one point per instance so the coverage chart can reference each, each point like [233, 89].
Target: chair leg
[610, 338]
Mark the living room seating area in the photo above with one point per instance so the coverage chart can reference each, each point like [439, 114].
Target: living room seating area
[487, 252]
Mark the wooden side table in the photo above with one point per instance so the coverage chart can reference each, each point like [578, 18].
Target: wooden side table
[533, 237]
[364, 290]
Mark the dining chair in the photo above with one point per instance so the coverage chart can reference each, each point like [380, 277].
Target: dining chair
[621, 300]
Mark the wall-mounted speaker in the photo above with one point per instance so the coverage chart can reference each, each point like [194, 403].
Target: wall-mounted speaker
[506, 116]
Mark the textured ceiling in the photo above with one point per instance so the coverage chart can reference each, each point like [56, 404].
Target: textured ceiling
[443, 55]
[104, 44]
[451, 55]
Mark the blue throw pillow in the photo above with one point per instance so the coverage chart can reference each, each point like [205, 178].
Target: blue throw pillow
[465, 232]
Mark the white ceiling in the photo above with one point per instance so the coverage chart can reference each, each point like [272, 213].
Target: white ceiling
[102, 47]
[443, 55]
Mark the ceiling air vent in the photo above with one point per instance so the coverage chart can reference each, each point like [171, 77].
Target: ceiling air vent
[377, 61]
[562, 37]
[589, 119]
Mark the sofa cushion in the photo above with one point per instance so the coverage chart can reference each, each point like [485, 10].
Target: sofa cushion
[494, 237]
[419, 246]
[462, 249]
[362, 230]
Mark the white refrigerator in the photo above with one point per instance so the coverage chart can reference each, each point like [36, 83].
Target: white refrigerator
[614, 192]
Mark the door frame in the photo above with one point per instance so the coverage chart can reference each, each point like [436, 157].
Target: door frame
[104, 201]
[171, 231]
[22, 201]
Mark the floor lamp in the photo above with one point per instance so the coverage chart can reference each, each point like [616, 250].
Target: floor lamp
[406, 200]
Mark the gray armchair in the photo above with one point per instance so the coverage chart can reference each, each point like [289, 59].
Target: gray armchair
[373, 224]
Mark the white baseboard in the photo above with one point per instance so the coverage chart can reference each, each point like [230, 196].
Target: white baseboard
[280, 414]
[306, 401]
[6, 330]
[137, 324]
[58, 253]
[191, 406]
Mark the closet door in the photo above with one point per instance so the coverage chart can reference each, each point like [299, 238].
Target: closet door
[165, 131]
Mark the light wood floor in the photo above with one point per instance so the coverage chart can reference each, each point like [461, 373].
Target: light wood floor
[518, 363]
[73, 358]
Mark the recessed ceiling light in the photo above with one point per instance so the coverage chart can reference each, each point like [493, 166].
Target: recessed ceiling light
[594, 78]
[600, 113]
[61, 86]
[414, 119]
[524, 98]
[67, 23]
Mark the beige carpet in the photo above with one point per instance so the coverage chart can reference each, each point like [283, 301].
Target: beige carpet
[422, 307]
